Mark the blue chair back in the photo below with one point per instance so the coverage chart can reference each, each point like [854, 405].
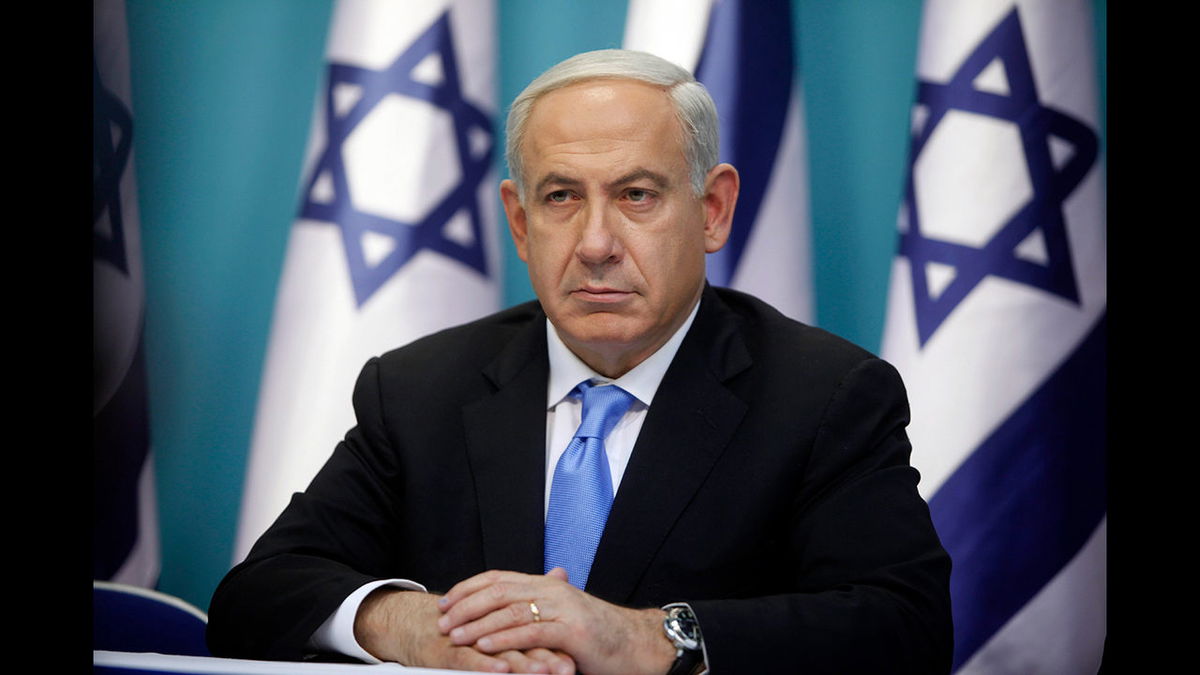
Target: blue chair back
[132, 619]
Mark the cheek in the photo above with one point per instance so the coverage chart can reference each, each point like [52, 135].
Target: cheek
[548, 255]
[672, 255]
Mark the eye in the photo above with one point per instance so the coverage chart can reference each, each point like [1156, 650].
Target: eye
[638, 195]
[558, 196]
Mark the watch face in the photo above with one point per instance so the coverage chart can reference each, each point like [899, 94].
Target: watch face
[683, 628]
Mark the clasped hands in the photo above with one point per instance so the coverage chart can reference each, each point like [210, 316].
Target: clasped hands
[511, 622]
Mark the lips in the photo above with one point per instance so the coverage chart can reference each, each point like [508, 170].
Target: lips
[600, 294]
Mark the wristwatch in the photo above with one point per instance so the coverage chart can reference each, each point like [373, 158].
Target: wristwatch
[684, 632]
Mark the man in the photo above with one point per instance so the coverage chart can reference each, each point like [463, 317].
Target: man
[760, 468]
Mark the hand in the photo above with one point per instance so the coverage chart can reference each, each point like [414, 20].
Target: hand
[401, 626]
[491, 611]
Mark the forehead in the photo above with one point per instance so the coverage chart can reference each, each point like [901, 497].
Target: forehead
[608, 121]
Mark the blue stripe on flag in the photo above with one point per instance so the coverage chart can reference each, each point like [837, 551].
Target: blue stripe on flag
[1025, 502]
[747, 66]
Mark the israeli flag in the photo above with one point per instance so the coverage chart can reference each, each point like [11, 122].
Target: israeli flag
[396, 232]
[997, 321]
[125, 539]
[742, 51]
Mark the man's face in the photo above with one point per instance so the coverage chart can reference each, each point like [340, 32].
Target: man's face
[610, 228]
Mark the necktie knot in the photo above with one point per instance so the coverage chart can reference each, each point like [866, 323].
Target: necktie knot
[603, 407]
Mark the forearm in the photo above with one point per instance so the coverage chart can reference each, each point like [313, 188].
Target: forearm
[854, 630]
[387, 621]
[270, 608]
[337, 633]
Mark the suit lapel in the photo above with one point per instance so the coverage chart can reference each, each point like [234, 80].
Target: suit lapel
[506, 447]
[689, 424]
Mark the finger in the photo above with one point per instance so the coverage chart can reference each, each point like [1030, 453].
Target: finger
[520, 662]
[515, 614]
[475, 584]
[466, 658]
[558, 573]
[499, 595]
[558, 662]
[548, 634]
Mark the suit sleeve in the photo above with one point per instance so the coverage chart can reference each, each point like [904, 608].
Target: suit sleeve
[871, 586]
[330, 540]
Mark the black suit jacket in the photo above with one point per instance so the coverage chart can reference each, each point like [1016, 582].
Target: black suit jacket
[769, 487]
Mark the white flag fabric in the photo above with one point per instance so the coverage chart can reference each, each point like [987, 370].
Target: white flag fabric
[125, 538]
[742, 51]
[997, 322]
[396, 232]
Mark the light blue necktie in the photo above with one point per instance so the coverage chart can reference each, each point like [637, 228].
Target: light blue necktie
[581, 492]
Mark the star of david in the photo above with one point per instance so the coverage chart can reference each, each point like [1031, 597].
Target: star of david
[1043, 211]
[428, 231]
[109, 117]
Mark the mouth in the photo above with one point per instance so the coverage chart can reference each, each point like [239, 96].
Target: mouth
[600, 294]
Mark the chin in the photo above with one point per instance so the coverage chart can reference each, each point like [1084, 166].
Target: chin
[601, 330]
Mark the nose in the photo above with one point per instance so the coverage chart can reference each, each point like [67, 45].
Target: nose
[598, 240]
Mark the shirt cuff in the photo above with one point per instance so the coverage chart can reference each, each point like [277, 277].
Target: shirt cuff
[337, 633]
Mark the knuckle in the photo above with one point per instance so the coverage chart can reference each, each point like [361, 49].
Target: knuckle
[576, 632]
[516, 612]
[497, 591]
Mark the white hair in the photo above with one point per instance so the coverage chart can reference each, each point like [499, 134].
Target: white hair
[694, 107]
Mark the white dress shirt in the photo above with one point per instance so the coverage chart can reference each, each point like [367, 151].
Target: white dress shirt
[563, 415]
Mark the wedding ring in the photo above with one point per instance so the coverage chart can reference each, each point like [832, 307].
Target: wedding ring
[537, 613]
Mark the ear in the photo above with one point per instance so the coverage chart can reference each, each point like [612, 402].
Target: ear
[720, 196]
[518, 223]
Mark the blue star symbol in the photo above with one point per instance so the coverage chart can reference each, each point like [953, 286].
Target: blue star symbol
[428, 230]
[1043, 211]
[109, 117]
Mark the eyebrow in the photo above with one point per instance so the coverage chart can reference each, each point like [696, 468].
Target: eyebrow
[660, 181]
[555, 179]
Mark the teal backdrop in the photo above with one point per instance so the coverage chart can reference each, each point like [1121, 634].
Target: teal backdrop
[223, 93]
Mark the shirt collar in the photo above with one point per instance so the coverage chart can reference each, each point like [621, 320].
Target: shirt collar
[568, 370]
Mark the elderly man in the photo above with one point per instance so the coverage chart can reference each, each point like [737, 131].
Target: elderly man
[637, 473]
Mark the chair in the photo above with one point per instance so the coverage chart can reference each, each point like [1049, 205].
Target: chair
[133, 619]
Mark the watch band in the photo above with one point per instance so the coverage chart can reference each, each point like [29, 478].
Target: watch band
[687, 662]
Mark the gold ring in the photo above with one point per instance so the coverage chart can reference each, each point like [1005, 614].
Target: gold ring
[537, 613]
